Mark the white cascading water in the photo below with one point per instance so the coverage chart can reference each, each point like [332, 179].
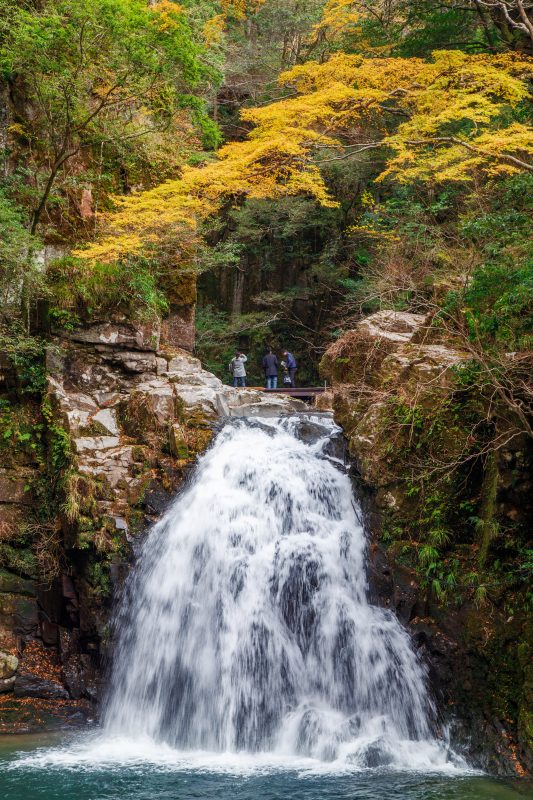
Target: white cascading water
[246, 626]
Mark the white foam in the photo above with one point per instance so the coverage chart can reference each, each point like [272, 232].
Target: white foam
[93, 753]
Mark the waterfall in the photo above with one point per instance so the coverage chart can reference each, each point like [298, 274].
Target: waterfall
[245, 625]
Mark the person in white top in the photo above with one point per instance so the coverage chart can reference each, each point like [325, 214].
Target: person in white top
[237, 369]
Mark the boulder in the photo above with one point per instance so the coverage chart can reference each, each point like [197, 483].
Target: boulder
[112, 465]
[421, 369]
[19, 614]
[96, 443]
[252, 403]
[28, 684]
[7, 684]
[388, 355]
[108, 399]
[185, 369]
[120, 335]
[161, 366]
[396, 326]
[14, 488]
[178, 442]
[72, 669]
[107, 418]
[156, 500]
[202, 398]
[357, 356]
[49, 632]
[159, 397]
[8, 665]
[14, 584]
[77, 420]
[132, 362]
[184, 365]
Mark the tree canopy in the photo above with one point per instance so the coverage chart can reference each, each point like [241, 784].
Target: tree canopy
[446, 118]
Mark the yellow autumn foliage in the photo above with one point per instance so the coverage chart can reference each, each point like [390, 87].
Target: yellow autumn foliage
[214, 30]
[241, 9]
[441, 120]
[167, 11]
[338, 17]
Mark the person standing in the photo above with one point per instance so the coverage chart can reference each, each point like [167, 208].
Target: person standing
[292, 366]
[270, 367]
[237, 369]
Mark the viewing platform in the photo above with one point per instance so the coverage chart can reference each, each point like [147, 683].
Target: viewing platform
[298, 392]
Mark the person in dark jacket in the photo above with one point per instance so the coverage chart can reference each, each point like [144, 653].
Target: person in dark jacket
[292, 366]
[270, 367]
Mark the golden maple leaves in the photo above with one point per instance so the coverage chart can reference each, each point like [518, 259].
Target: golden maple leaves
[444, 119]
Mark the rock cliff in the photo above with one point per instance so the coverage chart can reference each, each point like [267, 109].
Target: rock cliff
[450, 523]
[123, 418]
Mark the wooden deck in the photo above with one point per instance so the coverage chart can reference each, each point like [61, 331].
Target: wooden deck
[299, 392]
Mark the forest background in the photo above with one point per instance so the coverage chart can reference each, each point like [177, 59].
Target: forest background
[111, 97]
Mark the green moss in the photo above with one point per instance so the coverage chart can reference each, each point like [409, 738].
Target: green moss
[99, 578]
[19, 560]
[180, 288]
[21, 432]
[136, 521]
[130, 286]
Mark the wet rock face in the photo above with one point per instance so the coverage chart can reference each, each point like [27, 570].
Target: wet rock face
[28, 685]
[388, 353]
[478, 655]
[468, 661]
[107, 420]
[129, 412]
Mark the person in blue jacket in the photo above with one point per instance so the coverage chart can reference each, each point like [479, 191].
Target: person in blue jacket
[292, 366]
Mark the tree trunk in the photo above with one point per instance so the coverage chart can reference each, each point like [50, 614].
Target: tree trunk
[238, 289]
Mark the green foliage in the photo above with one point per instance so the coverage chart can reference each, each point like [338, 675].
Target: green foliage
[99, 578]
[79, 44]
[20, 560]
[59, 447]
[59, 450]
[18, 274]
[218, 334]
[81, 291]
[211, 136]
[498, 300]
[418, 27]
[109, 83]
[429, 26]
[21, 433]
[27, 356]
